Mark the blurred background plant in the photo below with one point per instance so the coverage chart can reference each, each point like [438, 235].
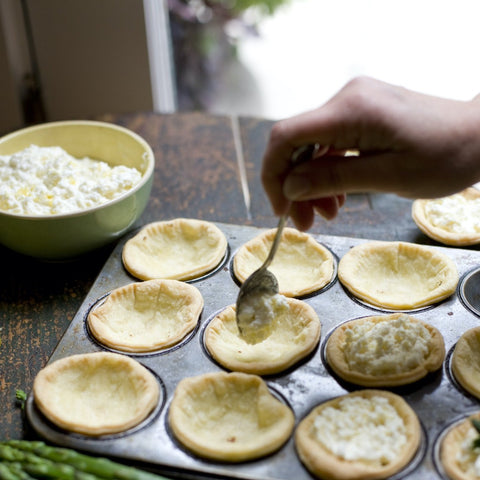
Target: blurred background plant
[204, 36]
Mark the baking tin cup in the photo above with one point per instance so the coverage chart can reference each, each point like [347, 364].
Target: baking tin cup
[469, 290]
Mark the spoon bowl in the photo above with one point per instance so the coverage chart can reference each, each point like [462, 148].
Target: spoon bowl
[257, 296]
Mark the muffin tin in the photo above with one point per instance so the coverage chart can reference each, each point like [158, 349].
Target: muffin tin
[437, 399]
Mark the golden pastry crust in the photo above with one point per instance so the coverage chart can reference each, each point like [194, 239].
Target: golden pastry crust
[96, 393]
[146, 316]
[448, 233]
[455, 446]
[398, 275]
[324, 463]
[229, 417]
[385, 350]
[294, 333]
[465, 361]
[301, 265]
[179, 249]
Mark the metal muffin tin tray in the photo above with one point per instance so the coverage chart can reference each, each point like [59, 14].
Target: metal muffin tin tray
[438, 400]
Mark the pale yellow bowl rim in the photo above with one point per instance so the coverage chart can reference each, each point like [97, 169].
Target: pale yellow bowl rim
[146, 176]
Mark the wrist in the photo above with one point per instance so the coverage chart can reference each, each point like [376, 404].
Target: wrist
[471, 139]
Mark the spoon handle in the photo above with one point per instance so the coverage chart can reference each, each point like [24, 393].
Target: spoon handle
[300, 155]
[276, 241]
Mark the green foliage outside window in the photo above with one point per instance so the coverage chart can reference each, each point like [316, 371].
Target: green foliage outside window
[204, 36]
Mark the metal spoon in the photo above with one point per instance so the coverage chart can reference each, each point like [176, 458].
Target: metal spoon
[253, 307]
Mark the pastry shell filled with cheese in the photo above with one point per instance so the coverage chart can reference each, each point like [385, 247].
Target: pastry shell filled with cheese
[229, 417]
[368, 434]
[179, 249]
[465, 361]
[301, 265]
[457, 456]
[96, 393]
[397, 275]
[294, 333]
[452, 220]
[385, 350]
[146, 316]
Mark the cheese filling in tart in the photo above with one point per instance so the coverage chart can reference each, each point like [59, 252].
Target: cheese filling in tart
[180, 249]
[258, 313]
[401, 344]
[398, 275]
[452, 220]
[301, 265]
[368, 434]
[459, 457]
[146, 316]
[360, 419]
[229, 417]
[468, 457]
[96, 393]
[385, 350]
[295, 332]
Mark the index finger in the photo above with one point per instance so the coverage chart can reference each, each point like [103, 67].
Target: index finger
[285, 138]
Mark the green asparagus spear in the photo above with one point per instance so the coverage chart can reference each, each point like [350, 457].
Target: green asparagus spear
[35, 452]
[10, 454]
[35, 465]
[17, 468]
[54, 471]
[7, 473]
[21, 397]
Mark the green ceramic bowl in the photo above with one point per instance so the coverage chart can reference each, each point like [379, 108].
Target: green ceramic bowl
[63, 236]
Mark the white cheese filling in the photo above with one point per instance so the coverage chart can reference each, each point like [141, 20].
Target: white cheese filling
[362, 429]
[387, 347]
[468, 458]
[454, 214]
[49, 181]
[258, 314]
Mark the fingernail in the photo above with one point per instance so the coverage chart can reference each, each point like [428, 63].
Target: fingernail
[296, 187]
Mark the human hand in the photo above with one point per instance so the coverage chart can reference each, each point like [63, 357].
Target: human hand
[414, 145]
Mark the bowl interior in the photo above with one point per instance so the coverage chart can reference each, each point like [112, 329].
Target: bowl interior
[97, 140]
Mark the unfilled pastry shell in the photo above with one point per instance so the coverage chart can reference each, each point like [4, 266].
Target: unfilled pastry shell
[229, 417]
[425, 224]
[146, 316]
[294, 334]
[465, 361]
[96, 393]
[451, 446]
[326, 465]
[179, 249]
[301, 265]
[398, 275]
[338, 361]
